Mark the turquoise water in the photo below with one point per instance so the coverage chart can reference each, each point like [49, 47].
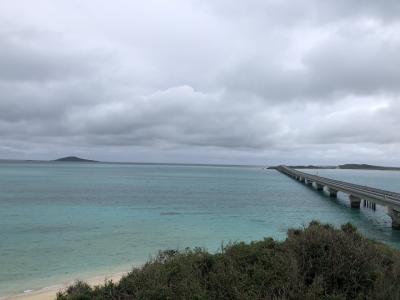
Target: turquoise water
[61, 220]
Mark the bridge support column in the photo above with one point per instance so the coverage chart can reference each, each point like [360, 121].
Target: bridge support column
[395, 215]
[302, 179]
[309, 182]
[332, 193]
[320, 187]
[354, 201]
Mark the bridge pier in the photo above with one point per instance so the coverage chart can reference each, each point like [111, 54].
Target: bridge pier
[332, 193]
[354, 201]
[357, 193]
[395, 215]
[369, 204]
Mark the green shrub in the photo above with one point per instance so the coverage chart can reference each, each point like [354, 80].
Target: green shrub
[316, 262]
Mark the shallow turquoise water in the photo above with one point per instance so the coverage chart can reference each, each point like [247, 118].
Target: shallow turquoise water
[61, 220]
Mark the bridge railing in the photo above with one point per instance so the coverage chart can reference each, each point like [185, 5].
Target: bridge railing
[356, 192]
[384, 196]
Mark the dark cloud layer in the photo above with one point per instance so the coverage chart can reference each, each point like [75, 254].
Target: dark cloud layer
[211, 81]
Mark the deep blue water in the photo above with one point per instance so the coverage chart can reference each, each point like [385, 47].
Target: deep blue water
[61, 220]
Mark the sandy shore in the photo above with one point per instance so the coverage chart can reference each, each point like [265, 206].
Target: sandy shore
[50, 293]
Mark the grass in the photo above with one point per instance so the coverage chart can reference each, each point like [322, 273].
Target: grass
[316, 262]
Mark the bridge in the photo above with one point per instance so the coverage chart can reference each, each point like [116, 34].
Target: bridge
[357, 193]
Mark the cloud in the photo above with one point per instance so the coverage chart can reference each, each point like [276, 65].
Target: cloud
[255, 82]
[34, 56]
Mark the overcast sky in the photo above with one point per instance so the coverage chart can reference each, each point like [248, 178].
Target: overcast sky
[215, 81]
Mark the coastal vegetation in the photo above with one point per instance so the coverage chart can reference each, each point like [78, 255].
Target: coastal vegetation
[315, 262]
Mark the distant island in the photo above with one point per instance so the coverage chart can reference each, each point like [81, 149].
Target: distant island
[368, 167]
[73, 159]
[345, 166]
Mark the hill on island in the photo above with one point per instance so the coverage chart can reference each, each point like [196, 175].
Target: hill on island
[74, 159]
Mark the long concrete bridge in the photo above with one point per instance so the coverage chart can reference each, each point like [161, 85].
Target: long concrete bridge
[357, 193]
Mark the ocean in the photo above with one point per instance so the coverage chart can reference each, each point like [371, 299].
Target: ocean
[61, 221]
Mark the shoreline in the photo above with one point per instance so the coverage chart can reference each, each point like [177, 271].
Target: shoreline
[50, 292]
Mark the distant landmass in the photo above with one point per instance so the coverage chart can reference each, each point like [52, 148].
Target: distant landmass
[367, 167]
[74, 159]
[308, 167]
[345, 166]
[314, 167]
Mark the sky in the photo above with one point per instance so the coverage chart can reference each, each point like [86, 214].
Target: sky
[212, 81]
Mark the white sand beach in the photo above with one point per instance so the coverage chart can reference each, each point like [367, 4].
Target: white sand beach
[50, 293]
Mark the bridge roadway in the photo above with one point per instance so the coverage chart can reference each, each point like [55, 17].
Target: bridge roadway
[357, 193]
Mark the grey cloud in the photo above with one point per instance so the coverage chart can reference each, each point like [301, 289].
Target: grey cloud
[359, 63]
[379, 126]
[295, 13]
[254, 81]
[178, 116]
[38, 56]
[345, 61]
